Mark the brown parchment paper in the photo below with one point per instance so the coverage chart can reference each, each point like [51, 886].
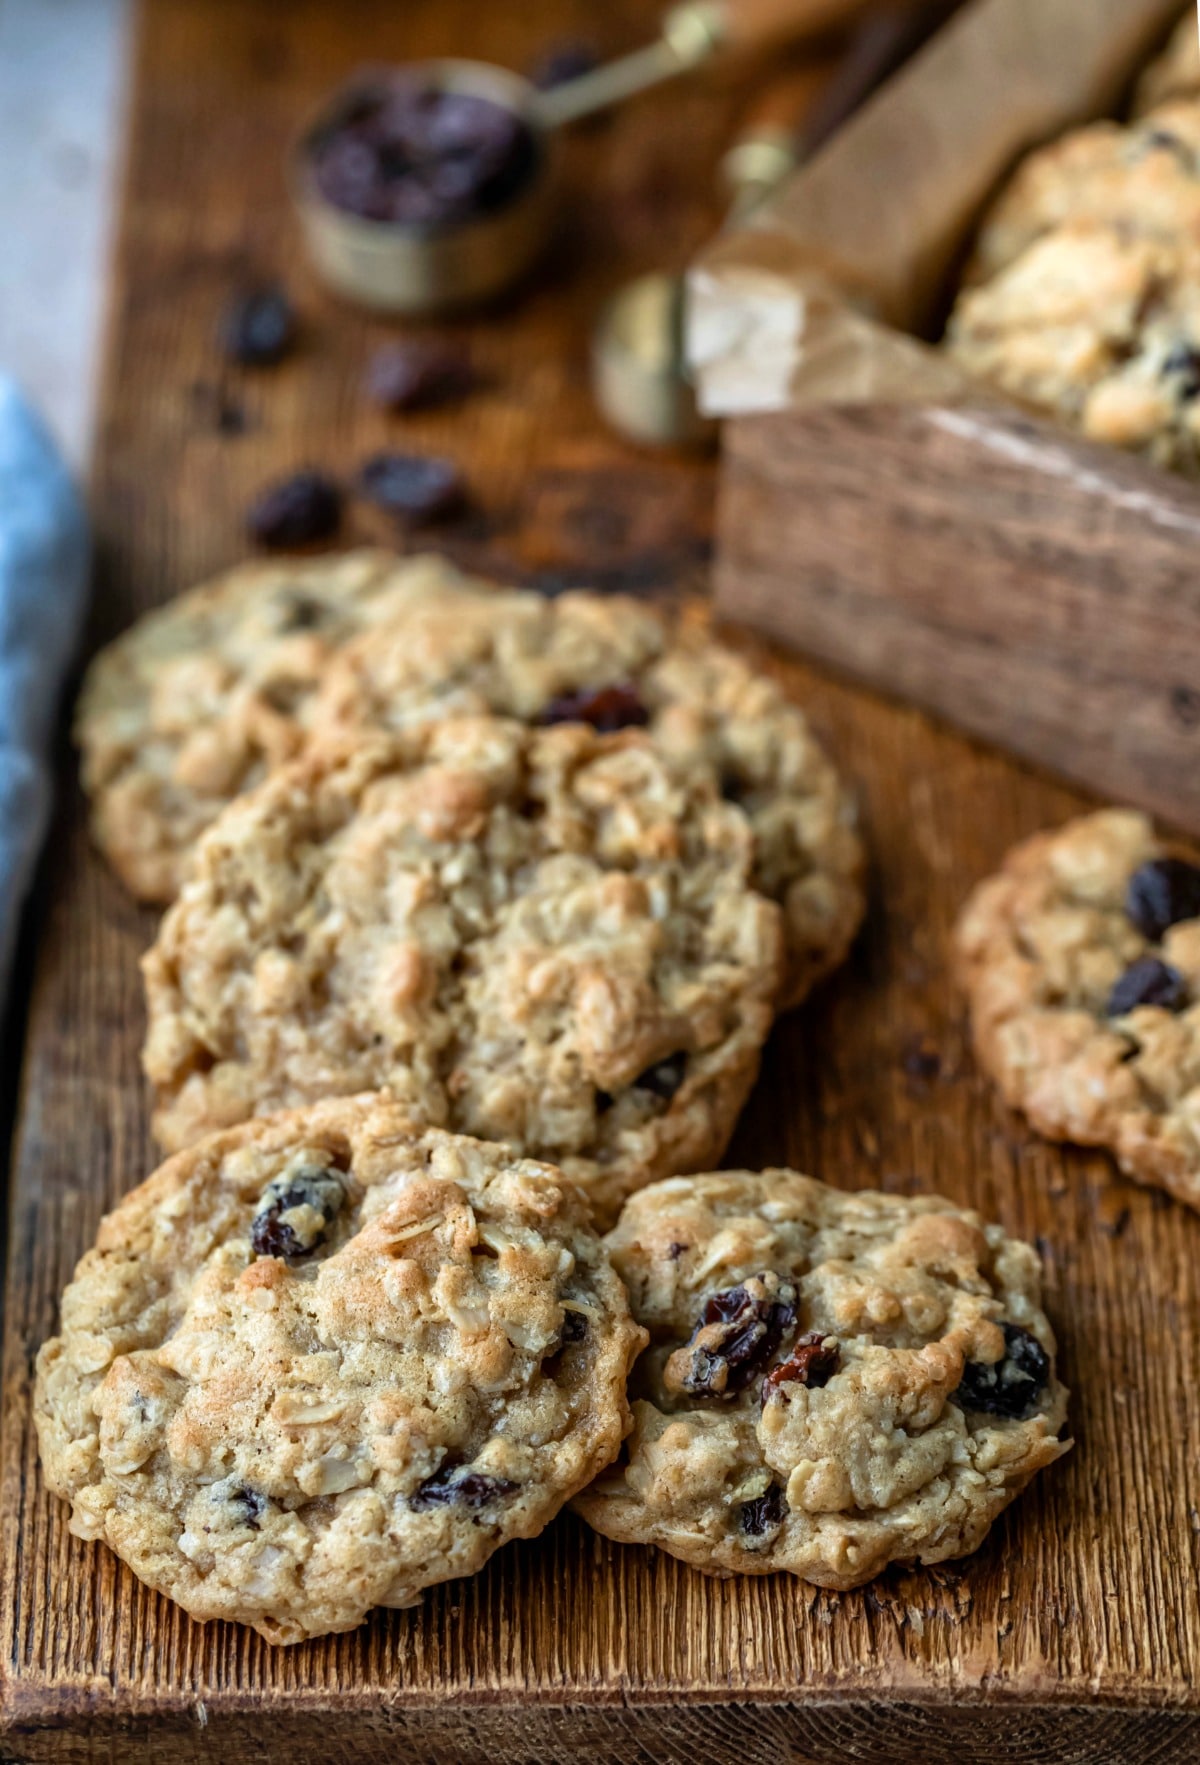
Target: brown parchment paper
[823, 295]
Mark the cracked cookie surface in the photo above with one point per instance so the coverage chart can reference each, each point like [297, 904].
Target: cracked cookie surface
[1081, 962]
[461, 645]
[320, 1363]
[546, 937]
[201, 698]
[1141, 181]
[1100, 330]
[834, 1382]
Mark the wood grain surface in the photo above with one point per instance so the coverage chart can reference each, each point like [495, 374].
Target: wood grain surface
[1074, 1634]
[1037, 588]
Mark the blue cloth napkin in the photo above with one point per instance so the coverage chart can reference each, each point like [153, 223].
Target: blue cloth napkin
[43, 591]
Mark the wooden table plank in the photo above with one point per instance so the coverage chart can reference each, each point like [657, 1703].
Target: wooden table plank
[1077, 1624]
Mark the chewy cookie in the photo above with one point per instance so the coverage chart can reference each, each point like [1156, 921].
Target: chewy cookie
[460, 645]
[1081, 960]
[200, 699]
[834, 1382]
[546, 937]
[1099, 329]
[1140, 181]
[322, 1362]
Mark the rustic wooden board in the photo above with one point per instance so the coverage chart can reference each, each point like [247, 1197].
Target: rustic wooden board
[1074, 1634]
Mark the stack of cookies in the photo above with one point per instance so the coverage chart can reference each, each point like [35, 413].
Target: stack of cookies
[1083, 295]
[480, 906]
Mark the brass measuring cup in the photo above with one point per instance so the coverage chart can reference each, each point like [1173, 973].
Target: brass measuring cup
[640, 376]
[437, 266]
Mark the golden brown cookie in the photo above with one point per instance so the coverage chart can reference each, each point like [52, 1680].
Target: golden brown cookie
[834, 1382]
[1081, 961]
[460, 645]
[322, 1362]
[547, 937]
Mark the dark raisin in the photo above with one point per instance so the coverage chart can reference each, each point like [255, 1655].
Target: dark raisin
[1148, 982]
[297, 511]
[675, 1250]
[1161, 893]
[313, 1196]
[1010, 1387]
[733, 787]
[559, 62]
[810, 1363]
[606, 708]
[258, 327]
[739, 1332]
[418, 155]
[301, 612]
[604, 1102]
[418, 372]
[921, 1062]
[1163, 141]
[1183, 365]
[664, 1078]
[412, 487]
[1185, 703]
[574, 1327]
[766, 1513]
[248, 1505]
[453, 1486]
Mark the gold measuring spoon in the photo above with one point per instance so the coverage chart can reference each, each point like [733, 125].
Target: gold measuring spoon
[640, 372]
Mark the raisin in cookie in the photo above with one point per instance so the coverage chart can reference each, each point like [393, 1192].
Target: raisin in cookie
[1081, 960]
[1141, 181]
[1100, 330]
[322, 1362]
[199, 699]
[547, 937]
[466, 646]
[834, 1382]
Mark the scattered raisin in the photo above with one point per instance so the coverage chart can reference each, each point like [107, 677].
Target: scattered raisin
[813, 1362]
[297, 511]
[453, 1486]
[318, 1192]
[418, 372]
[1010, 1387]
[766, 1513]
[1148, 982]
[606, 708]
[604, 1102]
[921, 1062]
[249, 1504]
[1161, 893]
[739, 1332]
[675, 1250]
[568, 59]
[412, 487]
[664, 1078]
[1185, 703]
[733, 786]
[258, 327]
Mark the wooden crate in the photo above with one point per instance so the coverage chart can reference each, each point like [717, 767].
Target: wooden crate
[1036, 589]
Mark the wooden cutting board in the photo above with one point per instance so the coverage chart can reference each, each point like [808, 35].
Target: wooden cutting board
[1074, 1634]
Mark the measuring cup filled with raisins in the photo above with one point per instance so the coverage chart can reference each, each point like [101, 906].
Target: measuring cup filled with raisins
[431, 186]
